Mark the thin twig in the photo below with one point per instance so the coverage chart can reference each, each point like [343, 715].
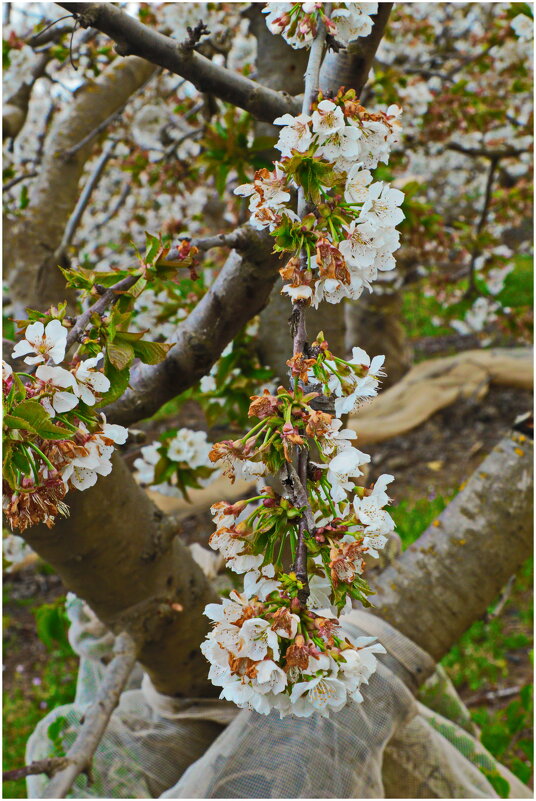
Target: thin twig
[96, 720]
[17, 180]
[125, 192]
[83, 200]
[49, 766]
[491, 696]
[498, 153]
[477, 250]
[299, 334]
[108, 297]
[503, 600]
[234, 239]
[134, 38]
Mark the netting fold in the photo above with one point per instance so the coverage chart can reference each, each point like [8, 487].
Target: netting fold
[391, 745]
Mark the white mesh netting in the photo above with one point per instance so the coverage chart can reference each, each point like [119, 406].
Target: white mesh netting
[390, 746]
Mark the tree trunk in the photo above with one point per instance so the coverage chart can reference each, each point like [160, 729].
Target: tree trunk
[350, 68]
[31, 242]
[452, 573]
[117, 553]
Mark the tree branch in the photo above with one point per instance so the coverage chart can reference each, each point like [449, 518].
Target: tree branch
[455, 570]
[477, 250]
[96, 719]
[134, 38]
[499, 153]
[31, 240]
[350, 68]
[83, 200]
[105, 123]
[238, 294]
[48, 766]
[110, 296]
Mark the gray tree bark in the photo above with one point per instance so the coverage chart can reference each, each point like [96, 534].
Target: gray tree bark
[449, 576]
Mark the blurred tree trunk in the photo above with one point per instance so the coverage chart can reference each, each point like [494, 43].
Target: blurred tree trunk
[31, 241]
[374, 322]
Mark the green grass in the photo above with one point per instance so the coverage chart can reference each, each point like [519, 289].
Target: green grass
[518, 290]
[412, 517]
[484, 656]
[419, 310]
[53, 684]
[486, 652]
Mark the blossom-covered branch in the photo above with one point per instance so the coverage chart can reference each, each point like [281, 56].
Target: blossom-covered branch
[278, 645]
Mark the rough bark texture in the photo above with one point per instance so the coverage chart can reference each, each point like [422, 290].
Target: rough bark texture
[15, 109]
[449, 576]
[31, 241]
[116, 552]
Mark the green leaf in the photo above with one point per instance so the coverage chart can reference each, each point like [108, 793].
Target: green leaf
[24, 197]
[17, 391]
[31, 416]
[163, 469]
[118, 381]
[151, 352]
[51, 624]
[77, 278]
[120, 354]
[152, 244]
[137, 288]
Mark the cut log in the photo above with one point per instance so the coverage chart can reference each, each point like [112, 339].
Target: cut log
[432, 385]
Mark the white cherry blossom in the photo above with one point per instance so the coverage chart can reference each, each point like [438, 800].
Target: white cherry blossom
[89, 380]
[296, 135]
[45, 342]
[328, 118]
[381, 208]
[56, 380]
[256, 637]
[357, 181]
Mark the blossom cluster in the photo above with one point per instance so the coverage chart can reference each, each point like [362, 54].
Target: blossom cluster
[298, 23]
[349, 231]
[267, 653]
[176, 463]
[348, 524]
[53, 438]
